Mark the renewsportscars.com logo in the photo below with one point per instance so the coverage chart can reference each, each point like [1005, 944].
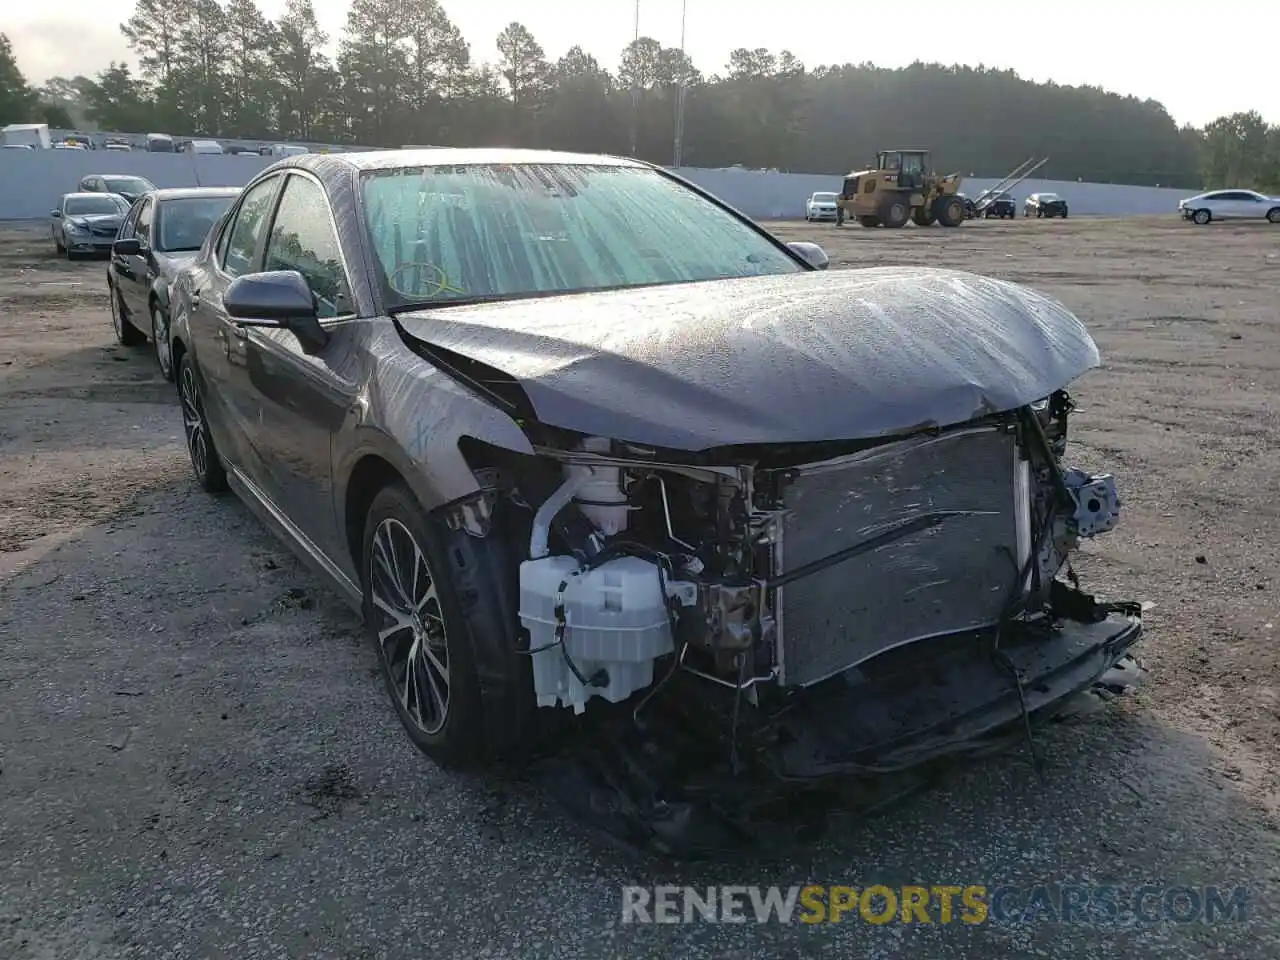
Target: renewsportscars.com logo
[970, 904]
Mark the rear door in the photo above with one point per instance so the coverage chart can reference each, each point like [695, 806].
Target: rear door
[219, 343]
[1253, 206]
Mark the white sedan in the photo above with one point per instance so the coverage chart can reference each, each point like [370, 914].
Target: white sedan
[820, 206]
[1230, 205]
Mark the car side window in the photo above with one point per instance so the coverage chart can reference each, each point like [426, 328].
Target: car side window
[142, 228]
[303, 239]
[242, 236]
[128, 224]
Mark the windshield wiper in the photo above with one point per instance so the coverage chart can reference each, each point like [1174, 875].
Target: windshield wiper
[415, 305]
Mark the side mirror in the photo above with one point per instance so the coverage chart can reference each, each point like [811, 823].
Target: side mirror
[811, 254]
[127, 248]
[56, 214]
[277, 298]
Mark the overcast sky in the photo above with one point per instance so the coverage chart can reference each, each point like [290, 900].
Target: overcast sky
[1141, 47]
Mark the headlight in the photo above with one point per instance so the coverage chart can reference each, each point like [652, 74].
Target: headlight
[73, 227]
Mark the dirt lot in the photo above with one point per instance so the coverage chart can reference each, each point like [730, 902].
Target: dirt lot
[197, 760]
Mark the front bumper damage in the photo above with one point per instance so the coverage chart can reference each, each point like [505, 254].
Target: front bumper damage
[905, 613]
[673, 782]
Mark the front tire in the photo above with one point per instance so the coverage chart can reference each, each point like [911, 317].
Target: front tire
[1201, 217]
[442, 621]
[1273, 215]
[127, 334]
[205, 461]
[949, 211]
[895, 214]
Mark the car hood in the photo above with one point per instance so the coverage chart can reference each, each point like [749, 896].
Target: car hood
[97, 219]
[171, 263]
[854, 354]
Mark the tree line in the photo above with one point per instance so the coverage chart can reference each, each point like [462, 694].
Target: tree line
[403, 73]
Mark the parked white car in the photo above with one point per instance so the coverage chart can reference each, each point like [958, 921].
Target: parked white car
[1230, 205]
[206, 147]
[820, 206]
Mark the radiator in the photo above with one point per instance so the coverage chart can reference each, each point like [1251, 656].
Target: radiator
[952, 577]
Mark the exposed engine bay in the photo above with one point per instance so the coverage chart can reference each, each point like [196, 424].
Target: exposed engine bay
[791, 573]
[833, 608]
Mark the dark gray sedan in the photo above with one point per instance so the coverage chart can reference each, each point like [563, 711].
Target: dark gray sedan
[86, 223]
[576, 438]
[162, 234]
[131, 188]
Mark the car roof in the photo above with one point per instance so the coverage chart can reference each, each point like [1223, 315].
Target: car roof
[186, 193]
[433, 156]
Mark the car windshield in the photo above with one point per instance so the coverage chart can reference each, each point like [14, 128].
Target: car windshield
[90, 206]
[461, 232]
[128, 184]
[184, 222]
[1048, 197]
[824, 198]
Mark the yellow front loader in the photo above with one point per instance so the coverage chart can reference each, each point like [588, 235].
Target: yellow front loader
[901, 187]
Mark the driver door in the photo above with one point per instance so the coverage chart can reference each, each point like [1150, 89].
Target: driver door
[135, 271]
[303, 395]
[220, 343]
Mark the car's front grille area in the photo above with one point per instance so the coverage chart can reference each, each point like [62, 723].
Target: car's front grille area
[950, 577]
[103, 231]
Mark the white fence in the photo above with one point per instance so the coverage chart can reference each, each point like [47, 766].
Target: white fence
[32, 181]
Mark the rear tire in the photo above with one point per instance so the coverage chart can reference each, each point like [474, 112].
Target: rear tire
[895, 213]
[462, 639]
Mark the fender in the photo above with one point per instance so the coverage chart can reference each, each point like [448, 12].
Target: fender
[160, 290]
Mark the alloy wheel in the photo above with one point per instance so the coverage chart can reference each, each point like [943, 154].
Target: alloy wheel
[409, 625]
[193, 421]
[115, 313]
[160, 339]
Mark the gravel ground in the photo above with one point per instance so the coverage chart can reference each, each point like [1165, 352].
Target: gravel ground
[197, 759]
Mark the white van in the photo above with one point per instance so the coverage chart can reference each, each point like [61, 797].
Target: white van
[202, 146]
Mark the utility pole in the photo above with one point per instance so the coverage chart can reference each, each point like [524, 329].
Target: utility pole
[635, 89]
[680, 91]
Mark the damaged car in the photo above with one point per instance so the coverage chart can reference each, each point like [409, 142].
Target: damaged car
[591, 451]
